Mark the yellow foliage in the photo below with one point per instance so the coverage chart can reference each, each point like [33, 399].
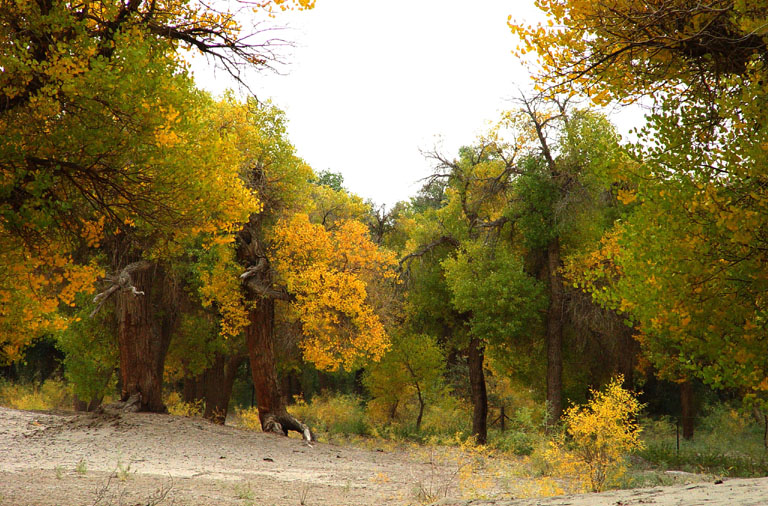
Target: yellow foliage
[51, 394]
[602, 433]
[329, 272]
[176, 406]
[249, 418]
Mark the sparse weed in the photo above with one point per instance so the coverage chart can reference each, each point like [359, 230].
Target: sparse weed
[244, 491]
[123, 471]
[59, 470]
[81, 468]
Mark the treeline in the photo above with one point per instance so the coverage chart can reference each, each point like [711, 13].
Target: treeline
[164, 237]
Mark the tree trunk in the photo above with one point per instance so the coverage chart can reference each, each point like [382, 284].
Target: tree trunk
[479, 395]
[421, 408]
[214, 387]
[554, 334]
[688, 408]
[143, 341]
[259, 335]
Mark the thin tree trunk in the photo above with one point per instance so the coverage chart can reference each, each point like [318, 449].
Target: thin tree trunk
[259, 335]
[421, 407]
[688, 408]
[143, 344]
[479, 395]
[555, 315]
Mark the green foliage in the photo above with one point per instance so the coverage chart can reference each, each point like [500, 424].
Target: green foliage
[490, 284]
[90, 353]
[411, 370]
[728, 442]
[333, 180]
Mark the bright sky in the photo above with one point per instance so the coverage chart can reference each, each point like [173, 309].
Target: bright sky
[370, 84]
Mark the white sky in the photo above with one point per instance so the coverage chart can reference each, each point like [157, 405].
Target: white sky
[371, 83]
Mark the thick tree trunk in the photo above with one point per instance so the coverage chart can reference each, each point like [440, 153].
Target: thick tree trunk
[143, 342]
[475, 359]
[688, 408]
[259, 335]
[555, 315]
[214, 387]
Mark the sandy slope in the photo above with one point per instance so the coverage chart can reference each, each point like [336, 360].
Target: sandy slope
[196, 463]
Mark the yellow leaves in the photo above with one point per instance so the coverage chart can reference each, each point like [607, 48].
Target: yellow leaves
[604, 431]
[221, 285]
[329, 272]
[92, 231]
[626, 196]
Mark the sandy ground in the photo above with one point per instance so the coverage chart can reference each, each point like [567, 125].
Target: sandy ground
[132, 459]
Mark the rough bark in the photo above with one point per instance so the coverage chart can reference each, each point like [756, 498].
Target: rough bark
[214, 387]
[688, 409]
[259, 335]
[143, 339]
[555, 314]
[475, 357]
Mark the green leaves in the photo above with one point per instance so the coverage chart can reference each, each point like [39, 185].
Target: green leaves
[489, 283]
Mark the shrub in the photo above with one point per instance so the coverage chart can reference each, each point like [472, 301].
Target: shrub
[51, 394]
[176, 406]
[332, 414]
[248, 418]
[603, 432]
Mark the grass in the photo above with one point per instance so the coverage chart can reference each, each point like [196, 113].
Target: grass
[726, 443]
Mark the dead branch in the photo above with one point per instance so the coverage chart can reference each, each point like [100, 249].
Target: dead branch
[120, 281]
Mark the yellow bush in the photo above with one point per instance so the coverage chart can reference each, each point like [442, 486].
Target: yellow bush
[51, 394]
[248, 418]
[178, 407]
[602, 433]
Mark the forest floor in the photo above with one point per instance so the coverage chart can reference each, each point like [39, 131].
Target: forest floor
[60, 458]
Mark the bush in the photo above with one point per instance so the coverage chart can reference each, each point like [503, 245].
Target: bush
[51, 394]
[176, 406]
[600, 434]
[332, 414]
[248, 418]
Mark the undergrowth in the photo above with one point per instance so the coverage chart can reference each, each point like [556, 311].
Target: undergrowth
[51, 394]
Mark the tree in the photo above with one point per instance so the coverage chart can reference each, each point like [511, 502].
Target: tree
[414, 365]
[305, 249]
[73, 69]
[691, 258]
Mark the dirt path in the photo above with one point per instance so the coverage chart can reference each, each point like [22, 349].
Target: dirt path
[64, 459]
[67, 459]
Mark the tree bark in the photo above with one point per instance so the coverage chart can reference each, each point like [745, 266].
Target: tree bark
[475, 357]
[214, 387]
[259, 335]
[143, 339]
[142, 351]
[555, 315]
[688, 408]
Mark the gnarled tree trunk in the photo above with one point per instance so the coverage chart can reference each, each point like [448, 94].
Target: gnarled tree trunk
[143, 335]
[475, 358]
[259, 335]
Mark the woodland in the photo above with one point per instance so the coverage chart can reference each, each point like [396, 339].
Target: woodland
[168, 249]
